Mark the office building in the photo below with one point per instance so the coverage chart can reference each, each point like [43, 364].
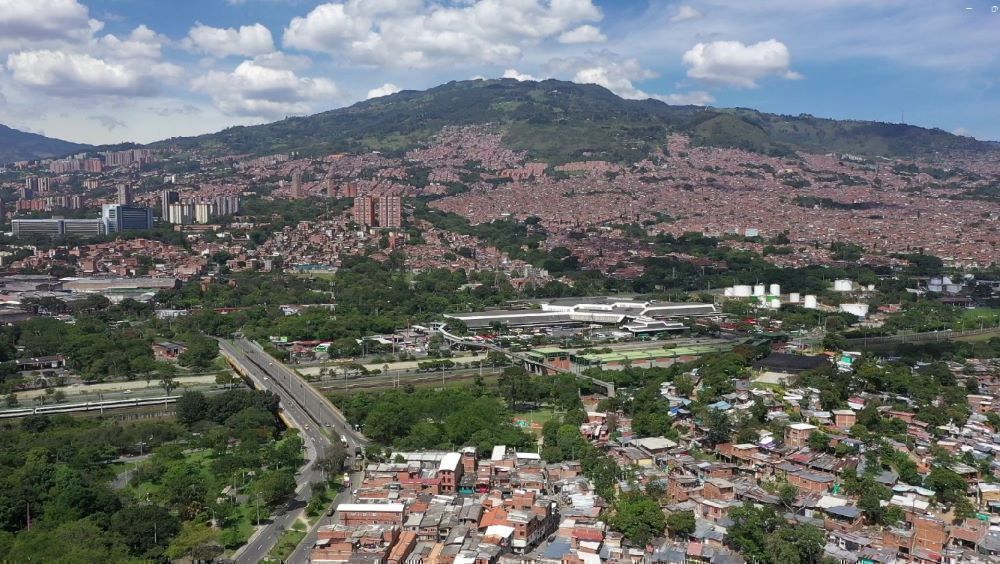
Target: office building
[118, 218]
[167, 197]
[124, 194]
[55, 228]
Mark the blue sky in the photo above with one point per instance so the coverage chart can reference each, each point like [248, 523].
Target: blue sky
[103, 71]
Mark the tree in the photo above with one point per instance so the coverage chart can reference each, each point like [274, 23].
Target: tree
[145, 529]
[787, 493]
[168, 385]
[515, 385]
[948, 486]
[751, 526]
[638, 517]
[275, 486]
[801, 544]
[332, 462]
[819, 441]
[191, 407]
[681, 523]
[11, 400]
[720, 427]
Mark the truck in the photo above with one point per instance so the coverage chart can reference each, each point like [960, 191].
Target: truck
[343, 441]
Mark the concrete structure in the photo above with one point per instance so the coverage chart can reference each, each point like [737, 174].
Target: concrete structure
[118, 218]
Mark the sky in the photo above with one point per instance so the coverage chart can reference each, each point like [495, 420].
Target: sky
[106, 71]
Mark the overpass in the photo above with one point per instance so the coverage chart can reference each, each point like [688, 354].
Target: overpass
[316, 418]
[530, 363]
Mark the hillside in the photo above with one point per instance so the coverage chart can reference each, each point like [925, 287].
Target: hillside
[21, 146]
[561, 121]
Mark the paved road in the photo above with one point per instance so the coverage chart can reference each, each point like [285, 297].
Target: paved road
[306, 409]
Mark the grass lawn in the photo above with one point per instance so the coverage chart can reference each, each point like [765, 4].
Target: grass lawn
[971, 318]
[288, 541]
[533, 420]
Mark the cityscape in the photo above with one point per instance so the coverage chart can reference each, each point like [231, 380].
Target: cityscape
[595, 284]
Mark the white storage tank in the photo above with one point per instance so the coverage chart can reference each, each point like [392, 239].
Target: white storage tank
[775, 303]
[728, 292]
[758, 290]
[809, 302]
[742, 291]
[859, 310]
[775, 290]
[794, 297]
[842, 286]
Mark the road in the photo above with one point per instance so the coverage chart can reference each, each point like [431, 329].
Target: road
[318, 421]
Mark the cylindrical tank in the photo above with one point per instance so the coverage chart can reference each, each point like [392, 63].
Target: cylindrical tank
[775, 303]
[728, 292]
[758, 290]
[794, 297]
[809, 302]
[841, 285]
[775, 290]
[742, 291]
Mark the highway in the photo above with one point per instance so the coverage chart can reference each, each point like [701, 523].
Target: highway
[304, 408]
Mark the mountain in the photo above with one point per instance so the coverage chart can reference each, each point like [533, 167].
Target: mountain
[562, 121]
[22, 146]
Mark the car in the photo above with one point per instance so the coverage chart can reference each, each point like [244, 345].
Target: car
[306, 427]
[127, 392]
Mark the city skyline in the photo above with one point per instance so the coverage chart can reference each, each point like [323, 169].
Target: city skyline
[104, 71]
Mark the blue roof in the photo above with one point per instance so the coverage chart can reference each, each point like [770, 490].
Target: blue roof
[557, 548]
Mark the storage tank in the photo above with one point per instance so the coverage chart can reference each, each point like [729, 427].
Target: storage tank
[859, 310]
[809, 302]
[775, 303]
[793, 297]
[775, 290]
[758, 290]
[842, 286]
[742, 291]
[728, 292]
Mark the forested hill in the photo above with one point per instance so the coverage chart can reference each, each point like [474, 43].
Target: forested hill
[559, 121]
[21, 146]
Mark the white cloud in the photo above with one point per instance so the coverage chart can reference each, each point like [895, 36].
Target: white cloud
[384, 90]
[72, 74]
[255, 90]
[513, 73]
[281, 60]
[42, 20]
[732, 63]
[693, 98]
[248, 40]
[616, 74]
[684, 13]
[142, 43]
[583, 34]
[420, 34]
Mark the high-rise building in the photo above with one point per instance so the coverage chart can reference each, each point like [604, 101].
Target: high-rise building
[390, 211]
[203, 212]
[226, 205]
[365, 211]
[37, 184]
[181, 213]
[118, 218]
[167, 197]
[296, 184]
[331, 188]
[124, 194]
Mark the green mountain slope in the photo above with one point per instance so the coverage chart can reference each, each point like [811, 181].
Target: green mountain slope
[21, 146]
[561, 121]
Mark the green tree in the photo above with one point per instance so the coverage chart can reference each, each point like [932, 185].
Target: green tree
[750, 529]
[800, 544]
[681, 523]
[719, 426]
[948, 486]
[638, 517]
[274, 486]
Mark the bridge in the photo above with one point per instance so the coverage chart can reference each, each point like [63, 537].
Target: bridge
[928, 337]
[90, 406]
[532, 364]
